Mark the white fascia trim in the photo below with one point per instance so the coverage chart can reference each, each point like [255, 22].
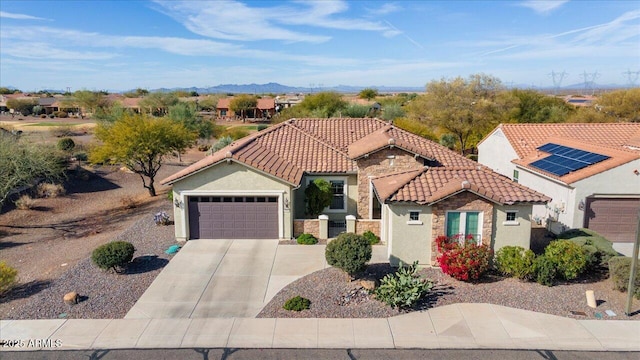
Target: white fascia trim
[279, 193]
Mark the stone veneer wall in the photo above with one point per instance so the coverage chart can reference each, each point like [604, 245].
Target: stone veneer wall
[363, 226]
[378, 164]
[465, 201]
[306, 226]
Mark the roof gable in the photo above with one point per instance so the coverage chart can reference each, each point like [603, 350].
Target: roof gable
[432, 185]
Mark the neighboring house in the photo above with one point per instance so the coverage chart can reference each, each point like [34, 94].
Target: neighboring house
[405, 188]
[590, 171]
[265, 109]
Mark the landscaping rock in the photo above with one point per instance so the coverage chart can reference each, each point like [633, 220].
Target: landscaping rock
[71, 298]
[369, 284]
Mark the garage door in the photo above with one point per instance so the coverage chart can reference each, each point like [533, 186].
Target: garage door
[615, 219]
[236, 217]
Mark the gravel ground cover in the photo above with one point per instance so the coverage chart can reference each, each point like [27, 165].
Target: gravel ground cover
[104, 294]
[328, 288]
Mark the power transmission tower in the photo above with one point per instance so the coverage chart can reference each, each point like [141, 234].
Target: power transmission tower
[557, 80]
[632, 77]
[589, 82]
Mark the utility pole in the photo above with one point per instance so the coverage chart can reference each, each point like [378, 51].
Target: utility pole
[634, 270]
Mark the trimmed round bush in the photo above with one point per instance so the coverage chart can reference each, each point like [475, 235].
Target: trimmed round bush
[297, 303]
[114, 255]
[373, 238]
[348, 252]
[307, 239]
[61, 114]
[587, 238]
[8, 277]
[569, 258]
[66, 144]
[516, 261]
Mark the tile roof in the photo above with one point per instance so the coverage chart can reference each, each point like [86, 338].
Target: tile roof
[619, 141]
[330, 146]
[430, 185]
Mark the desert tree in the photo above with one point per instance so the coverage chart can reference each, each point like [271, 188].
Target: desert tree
[466, 108]
[158, 103]
[88, 101]
[368, 93]
[140, 143]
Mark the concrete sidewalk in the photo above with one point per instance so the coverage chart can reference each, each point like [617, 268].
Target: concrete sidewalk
[459, 326]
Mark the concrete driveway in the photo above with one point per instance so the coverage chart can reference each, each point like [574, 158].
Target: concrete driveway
[228, 278]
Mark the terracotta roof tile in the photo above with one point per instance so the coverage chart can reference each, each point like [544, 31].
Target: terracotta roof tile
[298, 146]
[435, 184]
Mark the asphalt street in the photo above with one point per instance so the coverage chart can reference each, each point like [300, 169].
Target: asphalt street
[328, 354]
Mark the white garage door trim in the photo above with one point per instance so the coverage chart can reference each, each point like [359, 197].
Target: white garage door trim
[278, 193]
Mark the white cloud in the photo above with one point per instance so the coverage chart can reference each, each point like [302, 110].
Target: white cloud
[543, 6]
[385, 9]
[7, 15]
[233, 20]
[37, 50]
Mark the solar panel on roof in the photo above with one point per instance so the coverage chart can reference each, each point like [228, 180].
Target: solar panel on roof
[564, 159]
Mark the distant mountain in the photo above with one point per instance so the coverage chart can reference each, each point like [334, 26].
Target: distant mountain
[275, 88]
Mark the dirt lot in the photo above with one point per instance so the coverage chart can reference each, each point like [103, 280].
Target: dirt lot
[46, 241]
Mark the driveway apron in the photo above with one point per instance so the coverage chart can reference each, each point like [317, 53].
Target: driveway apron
[210, 278]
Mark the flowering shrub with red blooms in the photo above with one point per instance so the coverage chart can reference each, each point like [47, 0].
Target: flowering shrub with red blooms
[463, 260]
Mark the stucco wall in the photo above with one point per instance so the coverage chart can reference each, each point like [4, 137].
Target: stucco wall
[411, 242]
[619, 181]
[233, 179]
[497, 153]
[511, 233]
[560, 207]
[379, 163]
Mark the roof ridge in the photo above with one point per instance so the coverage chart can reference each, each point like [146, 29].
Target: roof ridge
[316, 138]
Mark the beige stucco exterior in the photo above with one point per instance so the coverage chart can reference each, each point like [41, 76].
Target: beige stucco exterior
[513, 233]
[231, 179]
[410, 240]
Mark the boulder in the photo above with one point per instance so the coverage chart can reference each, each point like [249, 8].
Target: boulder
[369, 284]
[71, 298]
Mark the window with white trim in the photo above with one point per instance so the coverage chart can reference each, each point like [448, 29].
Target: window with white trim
[339, 190]
[516, 175]
[414, 217]
[464, 224]
[511, 218]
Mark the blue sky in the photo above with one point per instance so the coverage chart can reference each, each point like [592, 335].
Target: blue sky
[120, 45]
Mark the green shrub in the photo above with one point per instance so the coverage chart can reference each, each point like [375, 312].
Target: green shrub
[569, 258]
[297, 303]
[373, 238]
[236, 133]
[619, 271]
[170, 196]
[545, 270]
[262, 127]
[404, 288]
[8, 277]
[586, 237]
[113, 255]
[61, 114]
[81, 156]
[516, 261]
[318, 195]
[66, 144]
[307, 239]
[349, 252]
